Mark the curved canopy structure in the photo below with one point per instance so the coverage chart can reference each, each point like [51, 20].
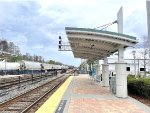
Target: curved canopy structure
[96, 44]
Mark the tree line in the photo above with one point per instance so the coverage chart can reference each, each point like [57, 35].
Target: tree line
[10, 47]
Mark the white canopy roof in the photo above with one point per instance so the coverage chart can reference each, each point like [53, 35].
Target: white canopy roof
[96, 44]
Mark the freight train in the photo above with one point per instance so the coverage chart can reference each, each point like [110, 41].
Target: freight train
[29, 67]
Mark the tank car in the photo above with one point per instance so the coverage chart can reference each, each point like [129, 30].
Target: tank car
[11, 68]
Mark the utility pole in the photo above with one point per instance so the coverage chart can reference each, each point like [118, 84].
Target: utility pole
[133, 52]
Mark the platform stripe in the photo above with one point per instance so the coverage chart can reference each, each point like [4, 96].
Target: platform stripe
[51, 104]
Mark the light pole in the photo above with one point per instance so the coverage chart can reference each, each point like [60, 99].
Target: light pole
[133, 52]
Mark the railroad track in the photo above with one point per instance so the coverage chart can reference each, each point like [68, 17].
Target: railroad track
[20, 80]
[29, 102]
[10, 84]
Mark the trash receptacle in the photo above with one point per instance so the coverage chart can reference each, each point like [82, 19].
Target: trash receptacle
[113, 84]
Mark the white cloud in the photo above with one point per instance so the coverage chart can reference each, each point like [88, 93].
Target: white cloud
[37, 24]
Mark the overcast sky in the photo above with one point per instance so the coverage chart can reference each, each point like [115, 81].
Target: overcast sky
[35, 25]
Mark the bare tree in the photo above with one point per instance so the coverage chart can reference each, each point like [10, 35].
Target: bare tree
[40, 58]
[27, 56]
[36, 59]
[11, 47]
[17, 50]
[144, 55]
[4, 45]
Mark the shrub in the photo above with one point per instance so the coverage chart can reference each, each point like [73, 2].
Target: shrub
[139, 86]
[131, 76]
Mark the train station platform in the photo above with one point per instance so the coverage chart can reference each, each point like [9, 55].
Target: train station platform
[81, 94]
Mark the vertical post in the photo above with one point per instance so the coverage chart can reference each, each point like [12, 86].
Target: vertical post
[98, 71]
[56, 72]
[32, 78]
[134, 63]
[5, 64]
[138, 67]
[87, 67]
[121, 76]
[91, 66]
[19, 81]
[105, 60]
[105, 73]
[134, 67]
[24, 68]
[41, 69]
[91, 70]
[148, 25]
[121, 54]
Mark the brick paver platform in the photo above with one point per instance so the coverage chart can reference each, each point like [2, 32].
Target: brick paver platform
[83, 87]
[102, 106]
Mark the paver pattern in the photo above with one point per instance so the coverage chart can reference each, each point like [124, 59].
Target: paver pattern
[95, 91]
[85, 86]
[102, 106]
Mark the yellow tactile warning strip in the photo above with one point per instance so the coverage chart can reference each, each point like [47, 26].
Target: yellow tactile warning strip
[51, 104]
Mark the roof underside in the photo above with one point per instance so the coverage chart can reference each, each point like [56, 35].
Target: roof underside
[96, 44]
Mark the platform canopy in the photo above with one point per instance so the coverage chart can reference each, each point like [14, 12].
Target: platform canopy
[96, 44]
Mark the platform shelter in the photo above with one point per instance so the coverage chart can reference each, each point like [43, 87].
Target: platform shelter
[95, 44]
